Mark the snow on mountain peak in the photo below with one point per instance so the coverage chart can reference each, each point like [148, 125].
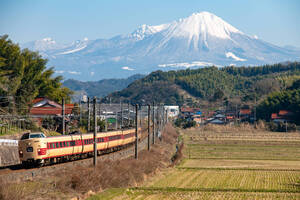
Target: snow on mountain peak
[44, 44]
[145, 30]
[197, 27]
[203, 23]
[48, 40]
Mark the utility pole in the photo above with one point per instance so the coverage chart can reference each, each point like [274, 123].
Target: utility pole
[63, 116]
[121, 115]
[106, 124]
[157, 120]
[149, 110]
[140, 115]
[99, 110]
[167, 117]
[163, 115]
[116, 124]
[255, 107]
[153, 125]
[89, 115]
[95, 133]
[136, 131]
[99, 107]
[128, 116]
[80, 114]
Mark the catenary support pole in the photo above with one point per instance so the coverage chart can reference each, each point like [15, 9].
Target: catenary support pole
[121, 115]
[99, 107]
[89, 115]
[128, 116]
[153, 125]
[149, 111]
[63, 116]
[95, 132]
[167, 117]
[136, 132]
[80, 111]
[163, 115]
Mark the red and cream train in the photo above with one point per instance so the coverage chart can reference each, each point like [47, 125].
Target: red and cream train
[37, 149]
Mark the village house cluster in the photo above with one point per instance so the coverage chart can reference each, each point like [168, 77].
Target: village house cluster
[228, 117]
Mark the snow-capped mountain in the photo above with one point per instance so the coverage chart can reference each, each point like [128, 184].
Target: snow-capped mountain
[202, 39]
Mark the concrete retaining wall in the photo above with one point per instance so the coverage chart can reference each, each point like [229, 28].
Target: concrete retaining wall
[8, 142]
[9, 155]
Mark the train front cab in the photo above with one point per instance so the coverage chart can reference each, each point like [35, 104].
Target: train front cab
[32, 148]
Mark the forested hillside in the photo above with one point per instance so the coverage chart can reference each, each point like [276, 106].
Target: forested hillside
[23, 77]
[211, 84]
[288, 99]
[100, 88]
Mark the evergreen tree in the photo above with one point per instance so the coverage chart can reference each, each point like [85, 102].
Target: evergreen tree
[24, 76]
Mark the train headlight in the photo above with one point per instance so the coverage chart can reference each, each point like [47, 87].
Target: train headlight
[20, 153]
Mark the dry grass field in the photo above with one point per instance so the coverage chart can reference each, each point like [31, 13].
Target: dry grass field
[279, 165]
[227, 163]
[138, 194]
[232, 180]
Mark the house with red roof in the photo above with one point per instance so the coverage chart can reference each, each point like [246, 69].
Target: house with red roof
[245, 114]
[282, 116]
[44, 107]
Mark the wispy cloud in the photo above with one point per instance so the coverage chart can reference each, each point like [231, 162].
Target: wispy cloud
[127, 68]
[74, 72]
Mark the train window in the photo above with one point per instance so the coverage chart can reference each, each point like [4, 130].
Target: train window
[67, 143]
[100, 140]
[25, 136]
[57, 144]
[72, 143]
[35, 135]
[61, 144]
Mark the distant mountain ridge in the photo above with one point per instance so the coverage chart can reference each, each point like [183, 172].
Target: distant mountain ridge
[100, 88]
[202, 39]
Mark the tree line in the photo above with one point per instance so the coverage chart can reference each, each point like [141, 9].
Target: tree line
[24, 76]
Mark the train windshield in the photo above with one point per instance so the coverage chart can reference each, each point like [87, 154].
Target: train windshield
[25, 136]
[37, 135]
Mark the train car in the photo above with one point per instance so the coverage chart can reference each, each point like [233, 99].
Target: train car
[37, 149]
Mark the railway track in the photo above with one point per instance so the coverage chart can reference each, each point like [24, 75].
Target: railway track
[17, 173]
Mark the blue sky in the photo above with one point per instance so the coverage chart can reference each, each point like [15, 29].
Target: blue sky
[276, 21]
